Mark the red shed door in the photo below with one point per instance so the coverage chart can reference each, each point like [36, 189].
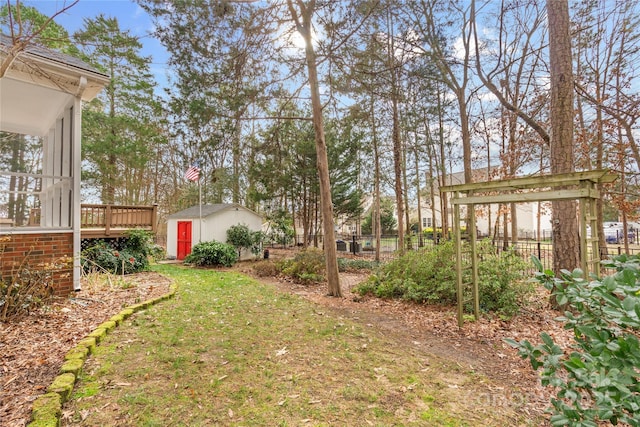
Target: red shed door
[184, 239]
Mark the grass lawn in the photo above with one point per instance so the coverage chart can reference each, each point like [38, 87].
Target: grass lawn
[229, 350]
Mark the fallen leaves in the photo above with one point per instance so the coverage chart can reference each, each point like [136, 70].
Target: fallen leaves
[282, 352]
[32, 350]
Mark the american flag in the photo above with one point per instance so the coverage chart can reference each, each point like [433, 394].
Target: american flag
[193, 173]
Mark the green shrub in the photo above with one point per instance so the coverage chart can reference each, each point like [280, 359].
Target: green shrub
[306, 267]
[424, 276]
[157, 253]
[212, 253]
[597, 378]
[346, 264]
[131, 255]
[502, 287]
[429, 276]
[241, 237]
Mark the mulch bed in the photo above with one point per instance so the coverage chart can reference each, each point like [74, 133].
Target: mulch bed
[32, 348]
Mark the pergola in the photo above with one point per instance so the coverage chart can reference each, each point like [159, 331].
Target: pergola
[581, 186]
[41, 95]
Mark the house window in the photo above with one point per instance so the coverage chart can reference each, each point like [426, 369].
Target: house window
[427, 222]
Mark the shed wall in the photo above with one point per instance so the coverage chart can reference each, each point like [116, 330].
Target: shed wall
[214, 227]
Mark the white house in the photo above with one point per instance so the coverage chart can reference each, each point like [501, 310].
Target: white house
[533, 218]
[41, 96]
[206, 223]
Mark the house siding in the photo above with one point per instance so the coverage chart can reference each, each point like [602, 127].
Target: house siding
[39, 250]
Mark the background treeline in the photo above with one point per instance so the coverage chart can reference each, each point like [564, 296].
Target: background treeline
[411, 91]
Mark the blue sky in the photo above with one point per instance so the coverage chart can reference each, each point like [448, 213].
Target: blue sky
[130, 17]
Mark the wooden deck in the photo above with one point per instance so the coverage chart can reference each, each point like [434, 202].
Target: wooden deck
[113, 221]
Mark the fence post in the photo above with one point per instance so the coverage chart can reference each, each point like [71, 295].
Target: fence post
[539, 251]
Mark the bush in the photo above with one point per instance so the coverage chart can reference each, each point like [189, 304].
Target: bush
[429, 276]
[346, 264]
[597, 378]
[157, 253]
[265, 269]
[211, 254]
[28, 288]
[502, 285]
[241, 237]
[306, 267]
[424, 276]
[126, 257]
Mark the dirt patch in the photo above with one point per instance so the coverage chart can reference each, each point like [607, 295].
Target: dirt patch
[478, 347]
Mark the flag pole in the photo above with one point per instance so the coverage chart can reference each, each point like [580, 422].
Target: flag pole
[200, 206]
[193, 174]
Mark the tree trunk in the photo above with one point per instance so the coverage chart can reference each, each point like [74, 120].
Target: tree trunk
[330, 252]
[418, 199]
[566, 248]
[236, 152]
[396, 138]
[375, 220]
[444, 203]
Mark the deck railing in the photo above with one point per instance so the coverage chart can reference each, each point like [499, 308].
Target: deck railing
[105, 220]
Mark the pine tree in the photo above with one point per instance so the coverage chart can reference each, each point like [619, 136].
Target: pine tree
[118, 123]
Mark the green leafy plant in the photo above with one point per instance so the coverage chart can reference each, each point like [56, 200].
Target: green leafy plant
[502, 285]
[305, 267]
[347, 264]
[241, 237]
[425, 276]
[126, 257]
[597, 378]
[429, 276]
[281, 230]
[211, 254]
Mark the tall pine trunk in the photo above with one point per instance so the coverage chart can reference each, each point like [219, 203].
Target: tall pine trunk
[566, 247]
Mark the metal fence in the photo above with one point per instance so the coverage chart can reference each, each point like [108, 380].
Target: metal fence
[364, 246]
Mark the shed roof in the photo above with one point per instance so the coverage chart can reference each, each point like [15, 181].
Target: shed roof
[207, 210]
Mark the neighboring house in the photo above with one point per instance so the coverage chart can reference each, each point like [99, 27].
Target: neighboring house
[41, 98]
[193, 225]
[533, 218]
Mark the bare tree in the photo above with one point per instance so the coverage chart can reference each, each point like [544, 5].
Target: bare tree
[22, 35]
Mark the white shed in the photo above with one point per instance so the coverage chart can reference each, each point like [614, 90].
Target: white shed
[194, 225]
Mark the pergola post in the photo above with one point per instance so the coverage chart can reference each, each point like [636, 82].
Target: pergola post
[474, 260]
[459, 276]
[570, 186]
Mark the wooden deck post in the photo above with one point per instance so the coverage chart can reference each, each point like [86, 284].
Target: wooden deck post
[107, 220]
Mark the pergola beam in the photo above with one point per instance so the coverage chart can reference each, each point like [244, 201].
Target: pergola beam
[527, 197]
[538, 182]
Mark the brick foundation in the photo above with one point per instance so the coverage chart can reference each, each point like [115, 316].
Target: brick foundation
[48, 251]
